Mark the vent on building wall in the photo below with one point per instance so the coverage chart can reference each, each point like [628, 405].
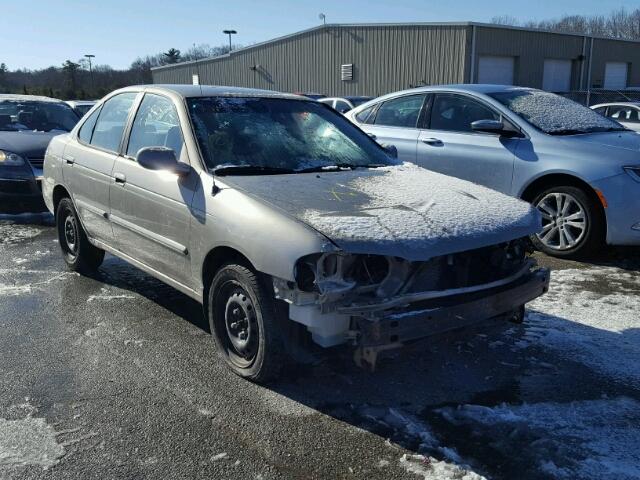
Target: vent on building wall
[346, 72]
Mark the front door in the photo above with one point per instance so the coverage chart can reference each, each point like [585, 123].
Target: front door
[150, 209]
[448, 145]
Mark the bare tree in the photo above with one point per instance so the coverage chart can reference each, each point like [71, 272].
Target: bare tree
[621, 24]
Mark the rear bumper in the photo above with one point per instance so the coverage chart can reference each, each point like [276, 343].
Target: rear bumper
[397, 326]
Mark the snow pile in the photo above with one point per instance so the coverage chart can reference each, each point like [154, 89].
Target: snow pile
[28, 441]
[600, 330]
[579, 440]
[431, 469]
[553, 113]
[14, 233]
[412, 208]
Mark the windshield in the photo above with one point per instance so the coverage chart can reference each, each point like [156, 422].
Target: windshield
[554, 114]
[278, 134]
[17, 115]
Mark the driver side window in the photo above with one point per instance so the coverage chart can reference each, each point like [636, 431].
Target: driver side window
[456, 113]
[156, 125]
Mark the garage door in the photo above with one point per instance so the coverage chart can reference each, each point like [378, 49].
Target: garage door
[495, 70]
[557, 75]
[615, 75]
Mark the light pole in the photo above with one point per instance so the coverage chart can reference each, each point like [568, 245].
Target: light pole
[89, 56]
[323, 17]
[229, 32]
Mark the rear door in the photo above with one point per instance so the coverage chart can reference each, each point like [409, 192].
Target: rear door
[448, 144]
[395, 122]
[150, 210]
[88, 163]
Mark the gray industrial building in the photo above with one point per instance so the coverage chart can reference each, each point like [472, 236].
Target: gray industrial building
[373, 59]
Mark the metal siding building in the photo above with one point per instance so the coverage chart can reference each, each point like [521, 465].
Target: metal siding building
[390, 57]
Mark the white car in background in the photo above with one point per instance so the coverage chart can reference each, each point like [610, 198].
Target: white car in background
[345, 104]
[625, 113]
[81, 106]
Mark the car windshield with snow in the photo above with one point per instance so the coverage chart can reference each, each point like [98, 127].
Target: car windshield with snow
[295, 230]
[553, 114]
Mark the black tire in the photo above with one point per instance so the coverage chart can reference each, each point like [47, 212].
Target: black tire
[78, 253]
[591, 237]
[240, 301]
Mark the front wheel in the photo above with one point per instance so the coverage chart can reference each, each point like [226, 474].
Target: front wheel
[78, 253]
[572, 223]
[244, 323]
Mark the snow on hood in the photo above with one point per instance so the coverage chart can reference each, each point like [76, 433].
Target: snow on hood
[402, 210]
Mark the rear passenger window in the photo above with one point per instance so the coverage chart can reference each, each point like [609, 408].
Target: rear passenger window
[86, 130]
[456, 113]
[156, 125]
[108, 130]
[400, 112]
[363, 116]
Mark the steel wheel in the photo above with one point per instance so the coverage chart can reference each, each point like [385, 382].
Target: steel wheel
[564, 221]
[71, 235]
[241, 325]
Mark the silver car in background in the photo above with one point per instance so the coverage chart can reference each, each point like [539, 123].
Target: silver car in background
[580, 169]
[290, 225]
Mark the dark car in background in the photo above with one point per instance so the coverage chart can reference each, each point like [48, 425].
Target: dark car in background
[27, 124]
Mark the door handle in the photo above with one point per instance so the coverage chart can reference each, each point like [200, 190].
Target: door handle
[432, 141]
[69, 159]
[372, 136]
[120, 178]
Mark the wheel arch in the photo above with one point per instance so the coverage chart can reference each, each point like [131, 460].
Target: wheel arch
[59, 192]
[564, 179]
[556, 180]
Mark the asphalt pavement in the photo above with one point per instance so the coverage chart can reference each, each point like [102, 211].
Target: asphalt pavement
[116, 376]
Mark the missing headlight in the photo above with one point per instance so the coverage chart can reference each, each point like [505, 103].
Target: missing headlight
[305, 277]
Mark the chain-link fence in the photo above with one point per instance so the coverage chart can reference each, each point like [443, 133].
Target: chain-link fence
[594, 97]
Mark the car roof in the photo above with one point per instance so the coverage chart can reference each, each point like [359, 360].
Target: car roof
[607, 104]
[28, 98]
[189, 91]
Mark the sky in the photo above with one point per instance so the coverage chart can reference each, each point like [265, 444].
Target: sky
[39, 33]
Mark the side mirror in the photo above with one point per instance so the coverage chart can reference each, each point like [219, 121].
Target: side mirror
[391, 150]
[496, 127]
[162, 158]
[488, 126]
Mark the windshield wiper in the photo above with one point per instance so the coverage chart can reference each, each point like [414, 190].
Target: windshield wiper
[568, 131]
[338, 167]
[250, 170]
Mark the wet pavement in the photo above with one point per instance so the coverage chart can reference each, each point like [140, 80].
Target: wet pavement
[116, 377]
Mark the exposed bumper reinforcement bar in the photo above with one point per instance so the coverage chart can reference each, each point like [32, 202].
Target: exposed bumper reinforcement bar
[397, 327]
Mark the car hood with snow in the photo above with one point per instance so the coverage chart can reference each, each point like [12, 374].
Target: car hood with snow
[27, 143]
[403, 210]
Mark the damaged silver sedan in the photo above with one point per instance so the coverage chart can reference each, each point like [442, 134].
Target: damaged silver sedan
[291, 226]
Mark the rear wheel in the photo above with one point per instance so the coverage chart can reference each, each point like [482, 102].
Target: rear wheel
[78, 253]
[244, 323]
[572, 223]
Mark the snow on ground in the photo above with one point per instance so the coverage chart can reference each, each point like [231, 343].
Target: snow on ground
[578, 440]
[601, 330]
[28, 441]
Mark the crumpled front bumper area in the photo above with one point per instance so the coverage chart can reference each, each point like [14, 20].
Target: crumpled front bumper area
[421, 319]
